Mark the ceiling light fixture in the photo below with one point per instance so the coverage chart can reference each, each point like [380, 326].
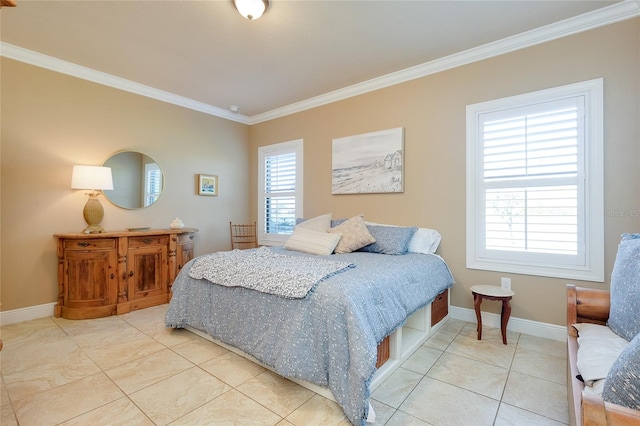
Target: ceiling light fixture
[251, 9]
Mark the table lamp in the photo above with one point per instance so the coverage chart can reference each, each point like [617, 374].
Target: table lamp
[96, 179]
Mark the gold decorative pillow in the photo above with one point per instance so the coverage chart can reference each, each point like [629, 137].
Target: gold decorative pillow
[355, 235]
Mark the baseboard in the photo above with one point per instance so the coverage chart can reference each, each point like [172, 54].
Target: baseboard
[534, 328]
[520, 325]
[26, 314]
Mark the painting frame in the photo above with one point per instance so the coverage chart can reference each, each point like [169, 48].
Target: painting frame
[368, 163]
[207, 184]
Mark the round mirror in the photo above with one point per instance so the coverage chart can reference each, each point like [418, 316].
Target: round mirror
[137, 180]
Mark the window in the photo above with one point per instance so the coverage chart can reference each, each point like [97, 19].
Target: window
[279, 191]
[152, 183]
[535, 183]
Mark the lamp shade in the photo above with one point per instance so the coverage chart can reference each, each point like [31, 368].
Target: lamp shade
[251, 9]
[91, 177]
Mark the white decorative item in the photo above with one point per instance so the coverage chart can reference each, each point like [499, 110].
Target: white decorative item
[177, 223]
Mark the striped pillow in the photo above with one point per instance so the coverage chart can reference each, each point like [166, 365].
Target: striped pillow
[312, 242]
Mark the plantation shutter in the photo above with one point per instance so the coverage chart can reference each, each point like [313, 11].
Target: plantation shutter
[280, 193]
[531, 182]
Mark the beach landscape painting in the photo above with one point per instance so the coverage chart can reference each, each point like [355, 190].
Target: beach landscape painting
[368, 163]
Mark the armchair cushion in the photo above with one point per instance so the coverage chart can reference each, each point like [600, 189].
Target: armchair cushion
[625, 288]
[622, 386]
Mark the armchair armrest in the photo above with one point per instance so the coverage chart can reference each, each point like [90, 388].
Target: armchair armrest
[586, 305]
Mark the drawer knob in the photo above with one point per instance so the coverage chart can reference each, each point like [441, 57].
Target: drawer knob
[84, 244]
[147, 241]
[130, 273]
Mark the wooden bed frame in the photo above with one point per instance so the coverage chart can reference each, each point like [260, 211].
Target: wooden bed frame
[589, 305]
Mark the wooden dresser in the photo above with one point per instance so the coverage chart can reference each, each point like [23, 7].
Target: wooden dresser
[117, 272]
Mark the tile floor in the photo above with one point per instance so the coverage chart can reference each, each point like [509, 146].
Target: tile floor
[131, 370]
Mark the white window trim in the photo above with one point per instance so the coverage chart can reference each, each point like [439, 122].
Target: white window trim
[593, 270]
[265, 151]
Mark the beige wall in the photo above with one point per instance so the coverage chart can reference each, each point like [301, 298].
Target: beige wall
[432, 112]
[52, 121]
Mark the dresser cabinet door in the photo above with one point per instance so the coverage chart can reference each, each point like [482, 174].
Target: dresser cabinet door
[89, 278]
[147, 276]
[184, 250]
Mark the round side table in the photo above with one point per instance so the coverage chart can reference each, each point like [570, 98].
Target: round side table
[493, 292]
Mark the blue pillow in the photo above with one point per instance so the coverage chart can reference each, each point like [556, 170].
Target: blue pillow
[622, 386]
[390, 239]
[334, 222]
[625, 288]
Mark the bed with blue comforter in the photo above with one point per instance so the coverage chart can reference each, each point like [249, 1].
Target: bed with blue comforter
[327, 334]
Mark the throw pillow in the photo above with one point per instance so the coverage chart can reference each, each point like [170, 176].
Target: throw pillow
[355, 235]
[598, 349]
[425, 240]
[625, 288]
[390, 239]
[312, 242]
[318, 223]
[622, 386]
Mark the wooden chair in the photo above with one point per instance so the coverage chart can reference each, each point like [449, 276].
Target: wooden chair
[243, 236]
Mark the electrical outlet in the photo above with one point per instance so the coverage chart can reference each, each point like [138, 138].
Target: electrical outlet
[505, 283]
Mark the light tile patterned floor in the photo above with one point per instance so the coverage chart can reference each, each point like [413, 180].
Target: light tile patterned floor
[131, 370]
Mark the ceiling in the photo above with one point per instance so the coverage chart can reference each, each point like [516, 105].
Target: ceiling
[204, 55]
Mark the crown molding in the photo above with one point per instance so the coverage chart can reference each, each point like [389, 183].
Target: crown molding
[58, 65]
[626, 9]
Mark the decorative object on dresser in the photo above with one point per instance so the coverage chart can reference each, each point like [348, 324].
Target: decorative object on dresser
[243, 236]
[176, 223]
[96, 179]
[117, 272]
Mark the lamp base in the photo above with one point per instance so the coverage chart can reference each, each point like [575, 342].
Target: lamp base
[93, 214]
[93, 229]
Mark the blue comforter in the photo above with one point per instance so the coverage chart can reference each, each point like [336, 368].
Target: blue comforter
[329, 338]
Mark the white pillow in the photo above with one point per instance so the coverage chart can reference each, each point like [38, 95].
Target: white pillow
[598, 348]
[318, 223]
[424, 240]
[313, 242]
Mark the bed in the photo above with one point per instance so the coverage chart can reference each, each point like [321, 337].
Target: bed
[328, 337]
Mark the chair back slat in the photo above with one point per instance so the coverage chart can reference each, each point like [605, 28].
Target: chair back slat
[243, 236]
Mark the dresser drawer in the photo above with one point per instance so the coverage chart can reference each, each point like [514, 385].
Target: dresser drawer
[440, 307]
[149, 240]
[90, 244]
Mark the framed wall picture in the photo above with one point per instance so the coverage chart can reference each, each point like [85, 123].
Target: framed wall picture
[369, 163]
[207, 185]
